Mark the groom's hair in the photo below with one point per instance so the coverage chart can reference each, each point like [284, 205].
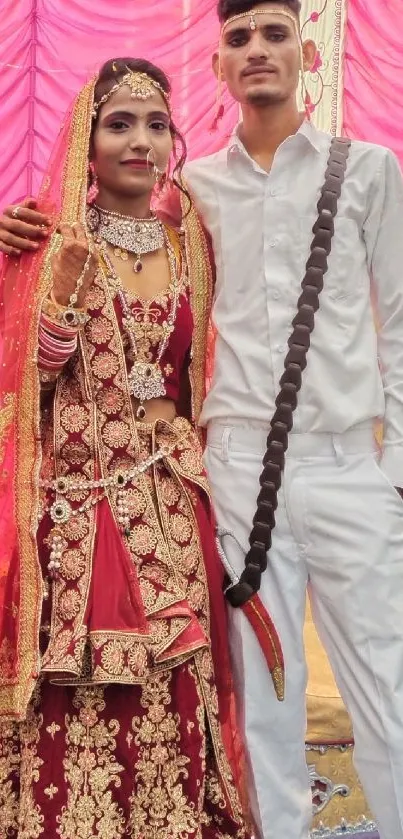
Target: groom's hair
[228, 8]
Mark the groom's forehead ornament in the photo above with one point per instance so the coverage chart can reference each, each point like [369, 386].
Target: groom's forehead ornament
[253, 24]
[251, 17]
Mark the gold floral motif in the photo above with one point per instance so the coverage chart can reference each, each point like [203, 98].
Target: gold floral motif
[136, 502]
[112, 658]
[99, 330]
[169, 491]
[74, 418]
[122, 658]
[105, 365]
[159, 807]
[142, 539]
[30, 816]
[189, 559]
[53, 729]
[148, 594]
[138, 659]
[51, 791]
[160, 632]
[72, 564]
[181, 528]
[205, 666]
[168, 369]
[110, 400]
[9, 766]
[95, 297]
[76, 528]
[157, 574]
[196, 595]
[116, 434]
[68, 604]
[75, 453]
[60, 642]
[91, 771]
[191, 462]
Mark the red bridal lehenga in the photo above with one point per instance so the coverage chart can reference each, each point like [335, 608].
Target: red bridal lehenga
[115, 691]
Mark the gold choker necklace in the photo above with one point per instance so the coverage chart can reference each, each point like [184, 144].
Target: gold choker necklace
[128, 235]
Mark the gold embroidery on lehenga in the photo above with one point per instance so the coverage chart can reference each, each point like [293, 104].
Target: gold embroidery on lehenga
[72, 564]
[9, 766]
[51, 791]
[105, 365]
[91, 771]
[142, 540]
[116, 434]
[53, 729]
[204, 667]
[123, 658]
[110, 400]
[180, 528]
[159, 806]
[136, 502]
[74, 418]
[100, 330]
[169, 491]
[30, 816]
[69, 605]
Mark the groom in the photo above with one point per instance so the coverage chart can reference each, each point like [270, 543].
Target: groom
[339, 521]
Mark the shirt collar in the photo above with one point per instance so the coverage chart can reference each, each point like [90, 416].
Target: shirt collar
[307, 131]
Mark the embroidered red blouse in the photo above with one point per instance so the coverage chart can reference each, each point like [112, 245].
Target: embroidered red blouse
[149, 316]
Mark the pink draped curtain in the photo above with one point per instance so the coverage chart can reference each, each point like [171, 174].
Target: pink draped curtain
[373, 81]
[49, 48]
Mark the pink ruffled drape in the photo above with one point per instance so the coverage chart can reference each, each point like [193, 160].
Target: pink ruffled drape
[49, 48]
[373, 82]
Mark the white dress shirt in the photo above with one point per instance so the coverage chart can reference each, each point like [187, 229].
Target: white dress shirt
[261, 228]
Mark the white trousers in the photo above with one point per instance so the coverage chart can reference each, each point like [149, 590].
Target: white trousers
[339, 532]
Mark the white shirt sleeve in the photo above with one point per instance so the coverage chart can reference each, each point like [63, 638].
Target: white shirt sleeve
[383, 233]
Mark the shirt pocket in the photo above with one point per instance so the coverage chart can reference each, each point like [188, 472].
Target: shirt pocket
[347, 260]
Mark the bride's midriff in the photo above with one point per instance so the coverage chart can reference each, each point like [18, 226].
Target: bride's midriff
[156, 409]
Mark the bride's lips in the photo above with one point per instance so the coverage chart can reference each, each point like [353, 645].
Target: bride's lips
[135, 163]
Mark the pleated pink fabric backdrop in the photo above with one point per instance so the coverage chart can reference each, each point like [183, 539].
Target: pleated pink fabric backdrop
[48, 48]
[373, 80]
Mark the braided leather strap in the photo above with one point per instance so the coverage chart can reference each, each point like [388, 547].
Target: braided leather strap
[291, 380]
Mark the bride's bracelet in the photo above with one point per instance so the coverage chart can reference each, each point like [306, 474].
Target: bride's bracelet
[66, 316]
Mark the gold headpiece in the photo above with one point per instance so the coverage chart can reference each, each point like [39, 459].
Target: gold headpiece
[252, 18]
[142, 86]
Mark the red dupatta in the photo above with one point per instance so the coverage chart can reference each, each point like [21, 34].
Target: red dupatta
[23, 284]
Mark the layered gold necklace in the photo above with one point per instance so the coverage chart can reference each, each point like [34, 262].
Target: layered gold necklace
[145, 378]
